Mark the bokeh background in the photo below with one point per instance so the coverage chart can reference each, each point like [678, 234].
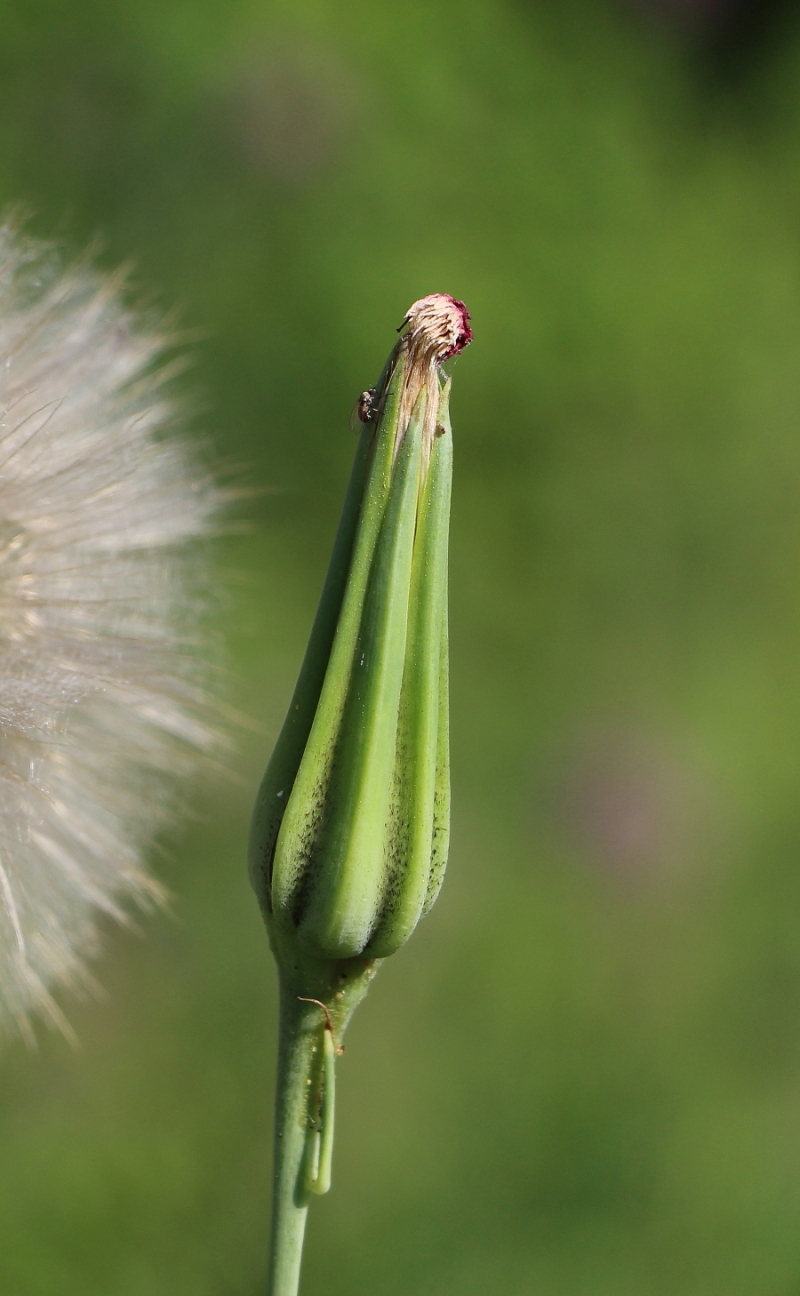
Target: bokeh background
[582, 1076]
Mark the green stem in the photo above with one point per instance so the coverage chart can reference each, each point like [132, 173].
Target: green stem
[303, 1099]
[299, 1032]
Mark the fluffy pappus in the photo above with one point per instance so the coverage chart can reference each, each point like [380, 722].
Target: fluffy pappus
[102, 697]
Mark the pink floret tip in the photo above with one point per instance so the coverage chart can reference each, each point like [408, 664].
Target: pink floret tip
[439, 324]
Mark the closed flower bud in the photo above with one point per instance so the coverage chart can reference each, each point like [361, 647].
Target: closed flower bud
[350, 834]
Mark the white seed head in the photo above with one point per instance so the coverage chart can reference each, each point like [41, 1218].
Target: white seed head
[101, 682]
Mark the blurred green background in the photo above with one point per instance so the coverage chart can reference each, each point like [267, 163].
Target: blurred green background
[582, 1076]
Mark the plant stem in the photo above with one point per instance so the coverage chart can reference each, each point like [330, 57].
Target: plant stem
[301, 1105]
[299, 1034]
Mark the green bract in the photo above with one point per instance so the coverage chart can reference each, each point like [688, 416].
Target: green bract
[350, 834]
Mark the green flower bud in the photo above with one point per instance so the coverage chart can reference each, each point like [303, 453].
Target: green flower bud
[350, 833]
[350, 830]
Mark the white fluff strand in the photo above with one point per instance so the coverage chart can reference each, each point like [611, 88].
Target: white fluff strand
[101, 698]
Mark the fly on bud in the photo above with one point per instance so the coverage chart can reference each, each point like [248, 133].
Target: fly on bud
[364, 409]
[350, 831]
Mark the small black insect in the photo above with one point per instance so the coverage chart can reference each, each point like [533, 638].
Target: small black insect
[365, 408]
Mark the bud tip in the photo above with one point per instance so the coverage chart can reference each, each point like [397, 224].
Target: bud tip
[439, 324]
